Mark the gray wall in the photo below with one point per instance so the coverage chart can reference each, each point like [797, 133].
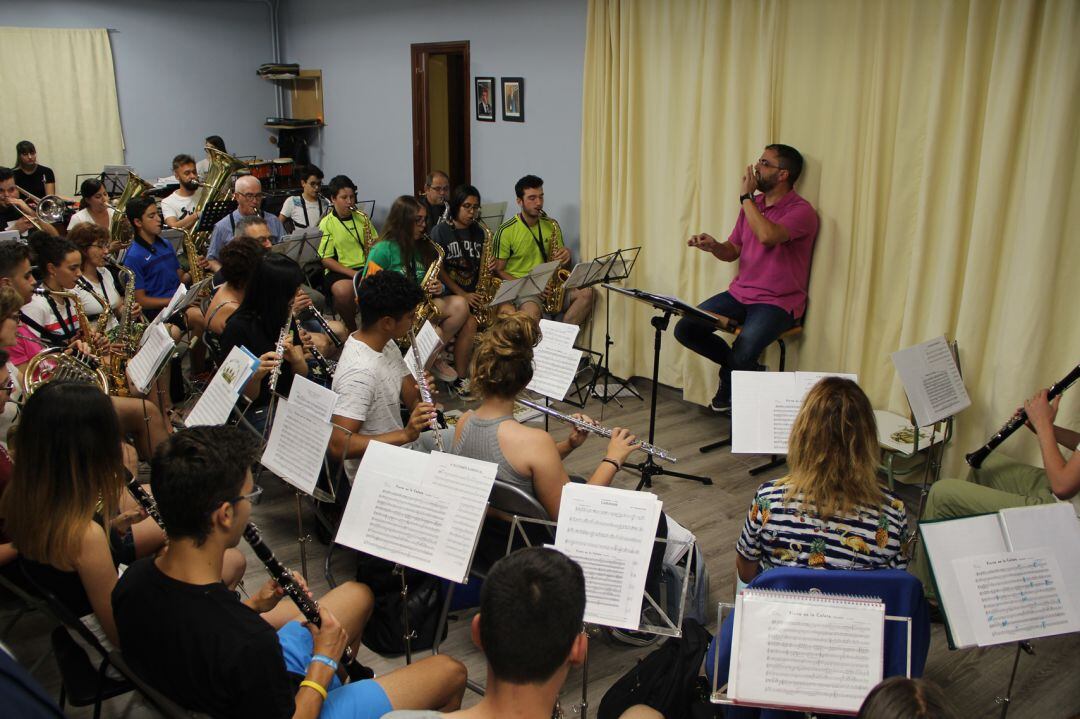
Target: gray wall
[168, 106]
[363, 51]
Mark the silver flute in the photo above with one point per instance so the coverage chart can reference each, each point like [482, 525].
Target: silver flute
[425, 391]
[279, 350]
[595, 429]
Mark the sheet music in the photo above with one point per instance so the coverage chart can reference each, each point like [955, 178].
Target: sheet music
[217, 401]
[313, 398]
[169, 308]
[538, 279]
[610, 533]
[427, 342]
[420, 510]
[798, 650]
[157, 346]
[507, 292]
[931, 381]
[296, 446]
[764, 406]
[1012, 596]
[555, 361]
[1046, 525]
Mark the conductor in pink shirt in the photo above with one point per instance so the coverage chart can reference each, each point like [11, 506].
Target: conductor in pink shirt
[773, 242]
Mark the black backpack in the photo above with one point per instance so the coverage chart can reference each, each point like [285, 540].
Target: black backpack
[384, 633]
[665, 680]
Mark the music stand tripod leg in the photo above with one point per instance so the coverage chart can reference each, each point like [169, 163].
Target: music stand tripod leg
[407, 633]
[1007, 699]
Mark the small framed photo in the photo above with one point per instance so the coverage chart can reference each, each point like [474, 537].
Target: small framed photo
[513, 99]
[485, 99]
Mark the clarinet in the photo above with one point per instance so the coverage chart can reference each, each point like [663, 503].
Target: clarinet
[145, 500]
[317, 316]
[425, 391]
[285, 579]
[325, 367]
[975, 459]
[595, 429]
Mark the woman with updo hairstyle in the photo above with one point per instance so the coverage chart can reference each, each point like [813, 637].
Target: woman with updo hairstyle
[528, 457]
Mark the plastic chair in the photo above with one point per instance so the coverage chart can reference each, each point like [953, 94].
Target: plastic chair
[169, 708]
[903, 597]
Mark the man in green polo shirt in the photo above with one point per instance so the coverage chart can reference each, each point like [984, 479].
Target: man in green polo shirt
[347, 236]
[524, 241]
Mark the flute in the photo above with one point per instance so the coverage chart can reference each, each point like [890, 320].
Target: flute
[279, 350]
[425, 391]
[975, 459]
[595, 429]
[317, 316]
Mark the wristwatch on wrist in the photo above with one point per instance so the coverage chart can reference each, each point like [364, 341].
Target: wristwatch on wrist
[747, 196]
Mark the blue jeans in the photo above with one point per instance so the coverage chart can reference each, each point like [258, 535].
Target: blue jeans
[761, 325]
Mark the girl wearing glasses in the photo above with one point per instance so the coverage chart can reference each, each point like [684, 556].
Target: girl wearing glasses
[98, 276]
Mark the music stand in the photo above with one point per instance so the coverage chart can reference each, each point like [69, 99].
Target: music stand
[612, 267]
[213, 213]
[668, 306]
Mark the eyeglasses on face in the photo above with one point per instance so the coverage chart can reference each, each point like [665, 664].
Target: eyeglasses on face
[251, 195]
[765, 163]
[254, 496]
[421, 219]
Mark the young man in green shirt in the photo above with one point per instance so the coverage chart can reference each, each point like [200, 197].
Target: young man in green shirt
[348, 234]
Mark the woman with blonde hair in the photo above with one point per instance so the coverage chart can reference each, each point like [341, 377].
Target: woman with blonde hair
[831, 512]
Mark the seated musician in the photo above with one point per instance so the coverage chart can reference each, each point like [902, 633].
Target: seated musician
[524, 241]
[95, 205]
[305, 210]
[249, 196]
[346, 237]
[203, 166]
[196, 642]
[67, 509]
[53, 320]
[36, 179]
[98, 278]
[372, 380]
[1002, 482]
[462, 240]
[15, 213]
[178, 209]
[239, 260]
[10, 388]
[773, 242]
[433, 198]
[403, 248]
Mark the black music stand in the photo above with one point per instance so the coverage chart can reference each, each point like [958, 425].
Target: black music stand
[668, 306]
[213, 213]
[611, 268]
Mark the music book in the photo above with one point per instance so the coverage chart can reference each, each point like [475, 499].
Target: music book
[155, 350]
[555, 360]
[531, 285]
[216, 403]
[419, 510]
[610, 533]
[931, 381]
[300, 434]
[764, 406]
[805, 651]
[1008, 576]
[427, 342]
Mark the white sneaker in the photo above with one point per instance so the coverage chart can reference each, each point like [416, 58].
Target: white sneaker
[443, 371]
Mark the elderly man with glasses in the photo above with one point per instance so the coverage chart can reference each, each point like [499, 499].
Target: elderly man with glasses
[249, 197]
[773, 242]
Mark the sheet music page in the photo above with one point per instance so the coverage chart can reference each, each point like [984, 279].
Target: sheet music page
[508, 290]
[763, 408]
[798, 650]
[1048, 525]
[931, 380]
[1013, 596]
[427, 342]
[610, 533]
[584, 272]
[312, 398]
[224, 389]
[555, 361]
[169, 308]
[297, 445]
[538, 279]
[157, 345]
[419, 510]
[805, 381]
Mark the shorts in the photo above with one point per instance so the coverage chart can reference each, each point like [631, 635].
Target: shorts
[359, 700]
[331, 278]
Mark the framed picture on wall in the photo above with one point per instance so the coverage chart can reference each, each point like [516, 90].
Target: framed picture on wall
[513, 99]
[484, 93]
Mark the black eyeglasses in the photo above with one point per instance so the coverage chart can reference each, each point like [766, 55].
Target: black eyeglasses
[765, 163]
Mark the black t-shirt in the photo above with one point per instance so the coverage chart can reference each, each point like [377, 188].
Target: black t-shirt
[34, 183]
[200, 646]
[434, 212]
[463, 250]
[8, 215]
[244, 328]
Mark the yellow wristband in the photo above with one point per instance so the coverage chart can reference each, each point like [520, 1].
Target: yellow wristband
[316, 686]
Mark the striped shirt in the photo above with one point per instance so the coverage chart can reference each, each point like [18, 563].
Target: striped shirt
[790, 534]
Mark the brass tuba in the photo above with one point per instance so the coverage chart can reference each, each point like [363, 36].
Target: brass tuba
[120, 230]
[487, 284]
[556, 289]
[427, 309]
[222, 167]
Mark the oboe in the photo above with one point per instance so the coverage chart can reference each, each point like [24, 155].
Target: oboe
[425, 391]
[975, 459]
[317, 316]
[595, 429]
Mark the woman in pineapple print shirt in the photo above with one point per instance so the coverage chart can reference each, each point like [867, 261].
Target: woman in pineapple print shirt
[830, 512]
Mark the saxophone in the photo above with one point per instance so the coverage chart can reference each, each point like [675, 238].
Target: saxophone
[369, 237]
[556, 289]
[487, 284]
[427, 309]
[126, 334]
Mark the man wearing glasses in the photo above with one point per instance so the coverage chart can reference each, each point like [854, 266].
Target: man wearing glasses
[773, 242]
[249, 196]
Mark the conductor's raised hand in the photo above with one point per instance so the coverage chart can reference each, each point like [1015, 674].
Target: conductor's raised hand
[749, 181]
[703, 241]
[621, 444]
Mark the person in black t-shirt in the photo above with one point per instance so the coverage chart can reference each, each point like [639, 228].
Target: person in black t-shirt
[36, 179]
[196, 642]
[10, 205]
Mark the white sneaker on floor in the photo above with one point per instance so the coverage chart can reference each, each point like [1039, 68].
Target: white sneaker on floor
[443, 371]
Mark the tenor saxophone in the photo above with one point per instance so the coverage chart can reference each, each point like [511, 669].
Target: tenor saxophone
[125, 336]
[556, 289]
[487, 284]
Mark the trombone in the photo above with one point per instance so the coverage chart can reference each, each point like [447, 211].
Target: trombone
[50, 210]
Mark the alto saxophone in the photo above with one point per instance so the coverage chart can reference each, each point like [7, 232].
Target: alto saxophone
[556, 289]
[125, 335]
[487, 284]
[62, 363]
[427, 309]
[369, 237]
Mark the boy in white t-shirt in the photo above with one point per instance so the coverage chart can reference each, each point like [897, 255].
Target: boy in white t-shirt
[372, 380]
[178, 209]
[305, 210]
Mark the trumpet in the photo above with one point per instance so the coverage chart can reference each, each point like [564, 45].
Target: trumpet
[595, 429]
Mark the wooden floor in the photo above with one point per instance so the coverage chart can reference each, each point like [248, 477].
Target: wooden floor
[1046, 683]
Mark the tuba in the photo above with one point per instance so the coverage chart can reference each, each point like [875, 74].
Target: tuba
[556, 289]
[120, 232]
[488, 283]
[222, 167]
[427, 309]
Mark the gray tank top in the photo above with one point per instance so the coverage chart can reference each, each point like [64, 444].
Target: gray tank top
[479, 439]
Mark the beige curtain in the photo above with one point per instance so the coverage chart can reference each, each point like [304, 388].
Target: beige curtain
[60, 93]
[941, 145]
